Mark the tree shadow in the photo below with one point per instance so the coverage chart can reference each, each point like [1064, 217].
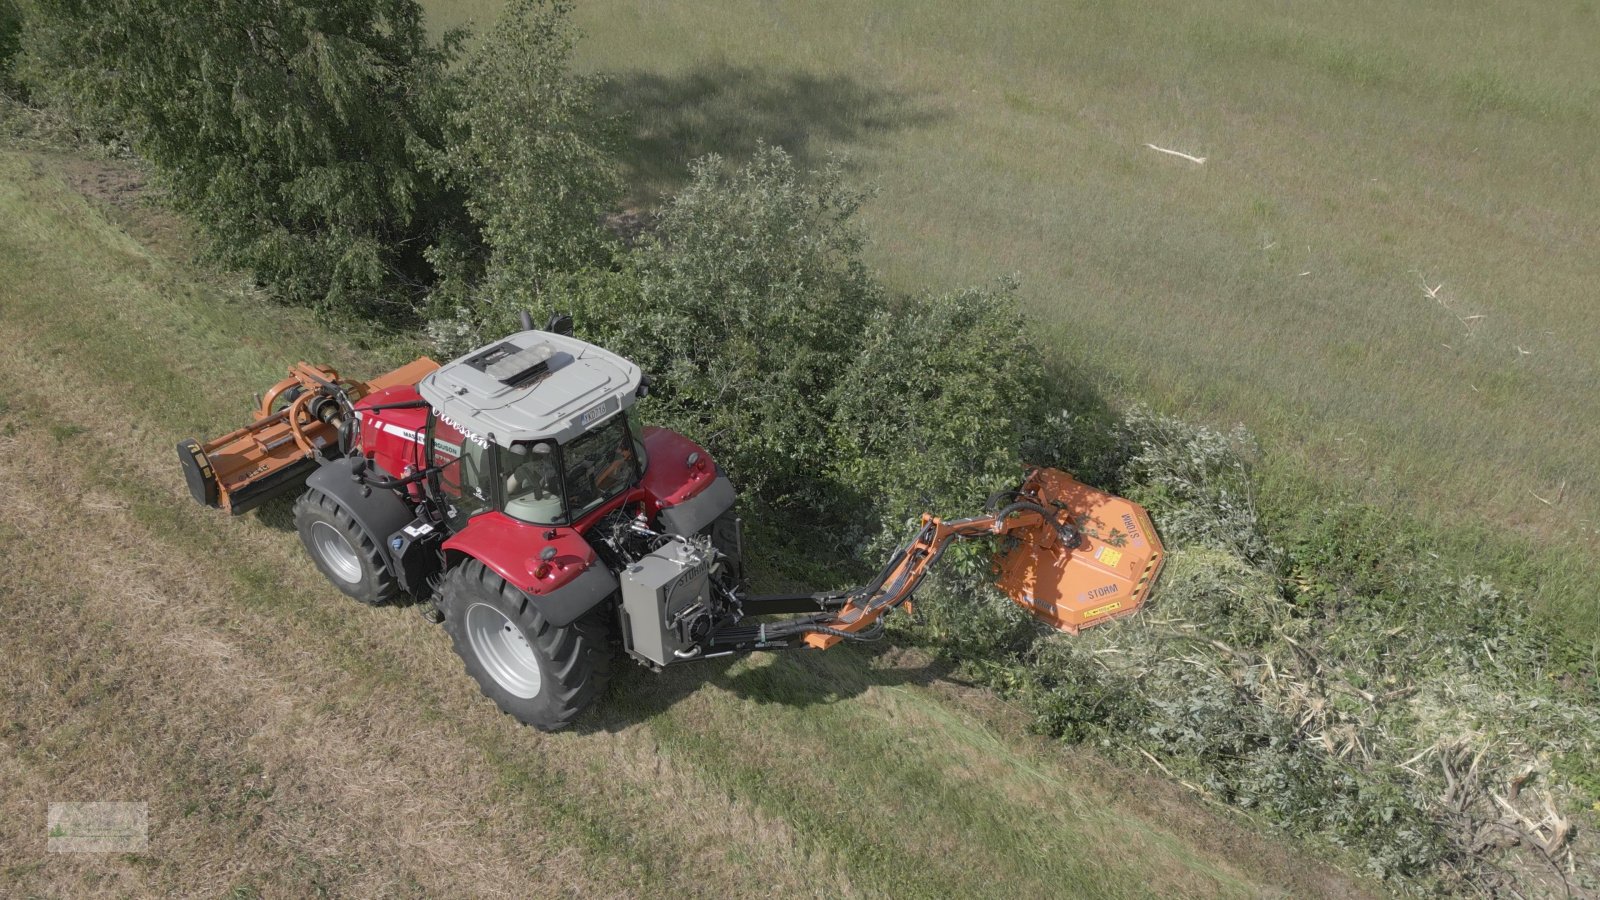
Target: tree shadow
[666, 121]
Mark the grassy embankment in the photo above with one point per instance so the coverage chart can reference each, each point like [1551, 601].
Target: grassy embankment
[1384, 268]
[289, 741]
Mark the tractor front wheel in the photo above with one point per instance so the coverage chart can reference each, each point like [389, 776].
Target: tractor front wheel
[342, 549]
[537, 673]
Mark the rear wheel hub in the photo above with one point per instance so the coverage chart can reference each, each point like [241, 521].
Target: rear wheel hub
[504, 651]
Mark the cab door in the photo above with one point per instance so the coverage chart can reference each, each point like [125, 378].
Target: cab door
[464, 483]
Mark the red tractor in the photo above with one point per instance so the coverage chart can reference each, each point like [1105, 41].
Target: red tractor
[517, 495]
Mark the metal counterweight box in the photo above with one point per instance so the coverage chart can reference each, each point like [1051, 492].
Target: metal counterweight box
[660, 593]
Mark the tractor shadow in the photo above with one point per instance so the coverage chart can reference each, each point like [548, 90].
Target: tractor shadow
[808, 678]
[796, 679]
[660, 123]
[278, 513]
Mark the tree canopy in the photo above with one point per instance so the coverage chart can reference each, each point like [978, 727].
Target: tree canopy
[296, 133]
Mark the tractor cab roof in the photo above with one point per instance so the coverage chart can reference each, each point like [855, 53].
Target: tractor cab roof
[532, 385]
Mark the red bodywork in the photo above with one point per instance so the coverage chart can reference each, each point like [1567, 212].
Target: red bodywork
[393, 439]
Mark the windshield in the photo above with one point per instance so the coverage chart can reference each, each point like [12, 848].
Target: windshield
[598, 466]
[463, 479]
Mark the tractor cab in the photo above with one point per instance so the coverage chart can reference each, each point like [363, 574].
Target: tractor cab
[539, 426]
[539, 481]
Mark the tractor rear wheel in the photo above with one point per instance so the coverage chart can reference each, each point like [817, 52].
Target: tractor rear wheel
[537, 673]
[344, 552]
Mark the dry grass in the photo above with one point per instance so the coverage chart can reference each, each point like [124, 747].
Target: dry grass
[290, 742]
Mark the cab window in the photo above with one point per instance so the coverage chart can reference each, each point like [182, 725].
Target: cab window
[599, 465]
[533, 482]
[550, 484]
[464, 478]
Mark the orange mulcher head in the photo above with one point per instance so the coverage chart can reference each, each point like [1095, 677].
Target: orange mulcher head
[1106, 575]
[299, 419]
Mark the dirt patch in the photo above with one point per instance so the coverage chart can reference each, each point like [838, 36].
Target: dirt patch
[124, 192]
[630, 225]
[119, 184]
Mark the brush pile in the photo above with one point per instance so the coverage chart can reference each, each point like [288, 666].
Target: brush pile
[1344, 684]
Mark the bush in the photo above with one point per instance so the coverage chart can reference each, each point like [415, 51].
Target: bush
[934, 405]
[1195, 481]
[745, 303]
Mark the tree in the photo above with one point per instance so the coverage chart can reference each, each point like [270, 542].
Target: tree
[527, 153]
[294, 130]
[746, 302]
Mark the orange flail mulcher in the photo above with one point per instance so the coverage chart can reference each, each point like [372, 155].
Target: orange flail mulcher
[1070, 555]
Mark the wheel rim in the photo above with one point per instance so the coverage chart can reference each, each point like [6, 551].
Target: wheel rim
[503, 650]
[336, 551]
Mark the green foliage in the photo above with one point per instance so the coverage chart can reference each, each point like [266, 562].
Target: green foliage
[1302, 698]
[745, 303]
[10, 39]
[1195, 481]
[294, 131]
[1072, 696]
[936, 401]
[528, 156]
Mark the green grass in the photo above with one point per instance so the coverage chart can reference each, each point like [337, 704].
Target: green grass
[173, 654]
[1358, 156]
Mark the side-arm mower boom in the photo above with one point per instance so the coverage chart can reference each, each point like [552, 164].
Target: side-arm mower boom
[1071, 556]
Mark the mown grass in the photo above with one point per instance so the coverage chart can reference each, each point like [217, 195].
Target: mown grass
[291, 742]
[1383, 268]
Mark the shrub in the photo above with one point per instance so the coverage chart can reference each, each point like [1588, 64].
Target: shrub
[10, 39]
[745, 303]
[1195, 481]
[934, 405]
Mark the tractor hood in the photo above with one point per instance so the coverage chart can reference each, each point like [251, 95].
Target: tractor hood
[530, 386]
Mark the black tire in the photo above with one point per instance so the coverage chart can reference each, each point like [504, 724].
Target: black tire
[573, 662]
[362, 572]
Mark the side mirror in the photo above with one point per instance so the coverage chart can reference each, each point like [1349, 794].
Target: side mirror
[560, 323]
[644, 386]
[525, 318]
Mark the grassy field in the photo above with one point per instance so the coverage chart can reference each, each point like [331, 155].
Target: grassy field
[1385, 266]
[290, 742]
